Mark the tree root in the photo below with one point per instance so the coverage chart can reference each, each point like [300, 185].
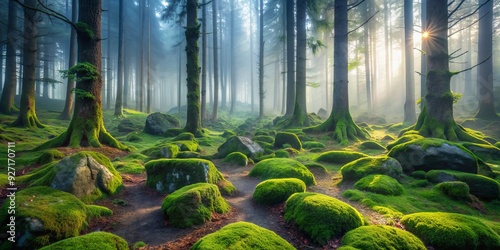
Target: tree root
[343, 128]
[30, 120]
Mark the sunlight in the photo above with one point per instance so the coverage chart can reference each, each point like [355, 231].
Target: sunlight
[425, 34]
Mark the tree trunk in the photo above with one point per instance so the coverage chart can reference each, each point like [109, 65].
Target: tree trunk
[261, 59]
[109, 72]
[423, 57]
[300, 109]
[485, 70]
[290, 57]
[340, 120]
[366, 45]
[46, 52]
[68, 104]
[233, 60]
[149, 89]
[193, 120]
[119, 84]
[409, 107]
[179, 83]
[387, 16]
[9, 88]
[252, 90]
[140, 85]
[216, 61]
[87, 126]
[27, 115]
[204, 60]
[283, 63]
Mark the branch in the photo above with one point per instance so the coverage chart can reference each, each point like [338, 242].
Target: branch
[456, 8]
[363, 23]
[355, 4]
[468, 15]
[468, 26]
[461, 71]
[47, 11]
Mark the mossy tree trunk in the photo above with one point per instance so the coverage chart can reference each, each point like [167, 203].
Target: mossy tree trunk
[216, 61]
[87, 127]
[204, 61]
[340, 120]
[27, 114]
[9, 88]
[68, 104]
[193, 120]
[300, 109]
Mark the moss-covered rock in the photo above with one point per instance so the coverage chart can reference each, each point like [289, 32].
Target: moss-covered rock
[381, 237]
[43, 215]
[282, 153]
[168, 175]
[312, 144]
[275, 191]
[371, 145]
[451, 231]
[456, 190]
[388, 138]
[188, 154]
[240, 144]
[430, 153]
[419, 174]
[228, 134]
[497, 144]
[339, 157]
[291, 139]
[480, 186]
[49, 156]
[162, 150]
[380, 184]
[242, 235]
[94, 240]
[134, 137]
[158, 123]
[188, 146]
[264, 138]
[483, 151]
[185, 136]
[404, 139]
[193, 205]
[371, 165]
[282, 168]
[236, 158]
[316, 168]
[320, 216]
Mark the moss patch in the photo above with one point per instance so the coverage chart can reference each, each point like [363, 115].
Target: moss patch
[48, 156]
[380, 184]
[480, 186]
[320, 216]
[339, 157]
[371, 165]
[274, 191]
[162, 150]
[264, 138]
[381, 237]
[483, 151]
[282, 168]
[451, 231]
[404, 139]
[193, 205]
[185, 136]
[312, 144]
[242, 235]
[291, 139]
[94, 240]
[371, 145]
[456, 190]
[237, 158]
[282, 153]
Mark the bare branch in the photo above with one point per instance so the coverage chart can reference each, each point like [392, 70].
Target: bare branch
[456, 8]
[468, 15]
[355, 4]
[363, 23]
[48, 11]
[461, 71]
[468, 26]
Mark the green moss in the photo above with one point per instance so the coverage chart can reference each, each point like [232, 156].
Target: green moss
[274, 191]
[419, 174]
[94, 240]
[380, 184]
[263, 132]
[43, 216]
[312, 144]
[134, 137]
[451, 231]
[188, 146]
[316, 168]
[371, 145]
[419, 183]
[339, 157]
[48, 156]
[228, 133]
[171, 132]
[371, 165]
[315, 150]
[264, 138]
[497, 144]
[483, 151]
[281, 153]
[94, 211]
[162, 150]
[237, 158]
[282, 168]
[193, 205]
[283, 138]
[242, 236]
[138, 245]
[185, 136]
[168, 175]
[404, 139]
[265, 145]
[388, 138]
[188, 154]
[456, 190]
[381, 237]
[131, 164]
[480, 186]
[320, 216]
[4, 179]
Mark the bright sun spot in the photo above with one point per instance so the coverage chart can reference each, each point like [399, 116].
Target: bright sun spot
[425, 34]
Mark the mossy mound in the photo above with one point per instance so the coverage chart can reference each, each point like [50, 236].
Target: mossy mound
[371, 145]
[264, 132]
[291, 139]
[173, 132]
[282, 153]
[371, 165]
[381, 237]
[168, 175]
[313, 144]
[404, 139]
[188, 146]
[240, 236]
[419, 174]
[134, 137]
[380, 184]
[264, 138]
[480, 186]
[339, 157]
[388, 138]
[497, 144]
[94, 240]
[483, 151]
[316, 168]
[158, 123]
[236, 158]
[228, 133]
[49, 156]
[451, 231]
[87, 175]
[275, 191]
[456, 190]
[43, 215]
[162, 150]
[185, 136]
[193, 205]
[188, 154]
[282, 168]
[320, 216]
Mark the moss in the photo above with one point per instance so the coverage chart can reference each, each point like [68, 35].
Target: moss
[48, 156]
[263, 132]
[371, 165]
[283, 138]
[419, 174]
[419, 183]
[240, 236]
[139, 245]
[480, 186]
[264, 138]
[162, 150]
[275, 191]
[312, 144]
[380, 184]
[339, 157]
[451, 231]
[171, 132]
[497, 144]
[456, 190]
[188, 146]
[316, 168]
[315, 150]
[371, 145]
[282, 168]
[4, 179]
[168, 175]
[320, 216]
[281, 153]
[43, 216]
[404, 139]
[185, 136]
[228, 133]
[188, 154]
[265, 145]
[483, 151]
[381, 237]
[237, 158]
[193, 205]
[94, 240]
[264, 157]
[134, 137]
[388, 138]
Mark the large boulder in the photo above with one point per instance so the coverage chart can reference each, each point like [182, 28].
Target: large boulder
[428, 154]
[94, 240]
[381, 237]
[480, 186]
[158, 123]
[240, 144]
[242, 235]
[283, 138]
[362, 167]
[168, 175]
[282, 168]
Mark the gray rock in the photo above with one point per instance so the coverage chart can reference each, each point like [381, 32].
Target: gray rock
[323, 113]
[158, 123]
[240, 144]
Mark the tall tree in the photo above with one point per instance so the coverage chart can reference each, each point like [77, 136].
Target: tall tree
[233, 58]
[216, 61]
[119, 84]
[204, 60]
[485, 69]
[290, 57]
[409, 107]
[261, 59]
[68, 103]
[423, 57]
[27, 114]
[300, 109]
[9, 88]
[149, 88]
[366, 44]
[340, 120]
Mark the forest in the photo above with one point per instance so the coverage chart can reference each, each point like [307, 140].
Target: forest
[259, 124]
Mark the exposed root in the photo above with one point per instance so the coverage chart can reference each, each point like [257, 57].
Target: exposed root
[343, 127]
[28, 120]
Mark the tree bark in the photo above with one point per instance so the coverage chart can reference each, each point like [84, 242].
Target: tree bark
[261, 59]
[233, 60]
[68, 104]
[204, 60]
[300, 109]
[216, 62]
[409, 107]
[290, 57]
[423, 57]
[119, 84]
[9, 88]
[366, 44]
